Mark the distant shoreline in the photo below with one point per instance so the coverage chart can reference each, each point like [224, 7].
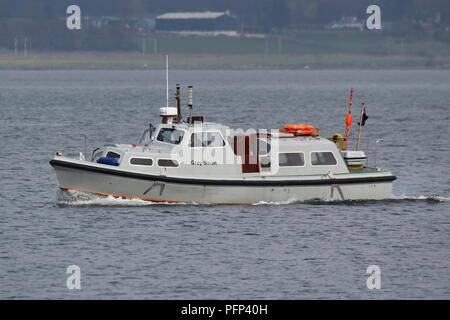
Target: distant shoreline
[137, 61]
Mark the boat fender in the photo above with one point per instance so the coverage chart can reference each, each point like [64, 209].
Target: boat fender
[109, 161]
[348, 121]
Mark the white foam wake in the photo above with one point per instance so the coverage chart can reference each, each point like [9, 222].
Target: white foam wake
[432, 198]
[313, 201]
[421, 197]
[77, 198]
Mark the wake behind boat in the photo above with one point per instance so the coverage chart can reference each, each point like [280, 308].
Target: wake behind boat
[193, 161]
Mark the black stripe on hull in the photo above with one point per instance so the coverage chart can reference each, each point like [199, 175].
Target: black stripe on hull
[263, 183]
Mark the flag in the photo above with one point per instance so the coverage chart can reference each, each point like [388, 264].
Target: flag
[364, 118]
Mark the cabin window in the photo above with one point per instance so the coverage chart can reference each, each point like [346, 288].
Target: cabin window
[167, 163]
[263, 147]
[141, 161]
[291, 159]
[323, 159]
[113, 155]
[206, 140]
[265, 162]
[170, 135]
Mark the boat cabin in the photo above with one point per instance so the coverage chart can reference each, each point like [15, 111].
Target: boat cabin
[198, 148]
[207, 149]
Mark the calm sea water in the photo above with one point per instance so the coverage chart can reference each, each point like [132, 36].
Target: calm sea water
[133, 249]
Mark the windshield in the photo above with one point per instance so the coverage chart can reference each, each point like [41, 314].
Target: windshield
[146, 136]
[207, 139]
[169, 135]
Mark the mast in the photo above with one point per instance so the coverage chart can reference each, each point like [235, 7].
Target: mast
[178, 99]
[168, 115]
[167, 80]
[348, 119]
[190, 104]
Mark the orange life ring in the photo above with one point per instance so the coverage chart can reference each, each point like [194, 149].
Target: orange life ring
[299, 128]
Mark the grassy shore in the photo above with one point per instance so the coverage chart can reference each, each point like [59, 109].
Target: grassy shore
[120, 60]
[308, 49]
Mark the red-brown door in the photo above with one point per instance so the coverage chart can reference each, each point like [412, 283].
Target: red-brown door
[246, 148]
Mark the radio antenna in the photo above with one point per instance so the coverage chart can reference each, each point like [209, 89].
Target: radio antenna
[167, 80]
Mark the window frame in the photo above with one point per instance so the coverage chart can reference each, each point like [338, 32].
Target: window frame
[111, 151]
[141, 165]
[323, 165]
[267, 143]
[175, 160]
[202, 132]
[297, 166]
[171, 144]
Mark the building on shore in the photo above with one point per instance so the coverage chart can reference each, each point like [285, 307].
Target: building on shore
[213, 23]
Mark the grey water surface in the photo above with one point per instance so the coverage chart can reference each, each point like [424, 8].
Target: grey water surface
[132, 249]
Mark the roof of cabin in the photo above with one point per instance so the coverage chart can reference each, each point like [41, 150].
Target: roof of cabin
[192, 15]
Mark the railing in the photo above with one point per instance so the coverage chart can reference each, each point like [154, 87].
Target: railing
[370, 147]
[72, 135]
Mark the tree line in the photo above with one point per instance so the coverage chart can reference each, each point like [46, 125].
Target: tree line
[41, 20]
[280, 13]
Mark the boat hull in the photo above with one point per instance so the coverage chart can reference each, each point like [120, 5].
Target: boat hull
[164, 189]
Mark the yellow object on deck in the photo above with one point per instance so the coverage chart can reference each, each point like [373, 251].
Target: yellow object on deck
[338, 139]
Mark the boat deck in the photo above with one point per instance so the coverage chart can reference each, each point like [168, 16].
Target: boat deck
[364, 170]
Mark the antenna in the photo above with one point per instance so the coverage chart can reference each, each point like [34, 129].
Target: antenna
[167, 80]
[190, 103]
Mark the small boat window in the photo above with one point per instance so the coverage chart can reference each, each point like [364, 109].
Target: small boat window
[263, 147]
[169, 135]
[206, 140]
[265, 162]
[323, 159]
[141, 161]
[167, 163]
[291, 159]
[113, 155]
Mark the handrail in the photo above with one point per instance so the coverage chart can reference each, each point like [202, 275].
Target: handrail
[376, 151]
[84, 136]
[370, 150]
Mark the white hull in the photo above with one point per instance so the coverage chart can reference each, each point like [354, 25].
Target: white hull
[88, 178]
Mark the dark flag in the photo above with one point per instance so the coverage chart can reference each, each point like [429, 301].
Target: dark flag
[364, 118]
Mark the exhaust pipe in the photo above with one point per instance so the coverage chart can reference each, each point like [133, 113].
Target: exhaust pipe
[178, 98]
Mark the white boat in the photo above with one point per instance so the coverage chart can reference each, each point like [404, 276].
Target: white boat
[193, 161]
